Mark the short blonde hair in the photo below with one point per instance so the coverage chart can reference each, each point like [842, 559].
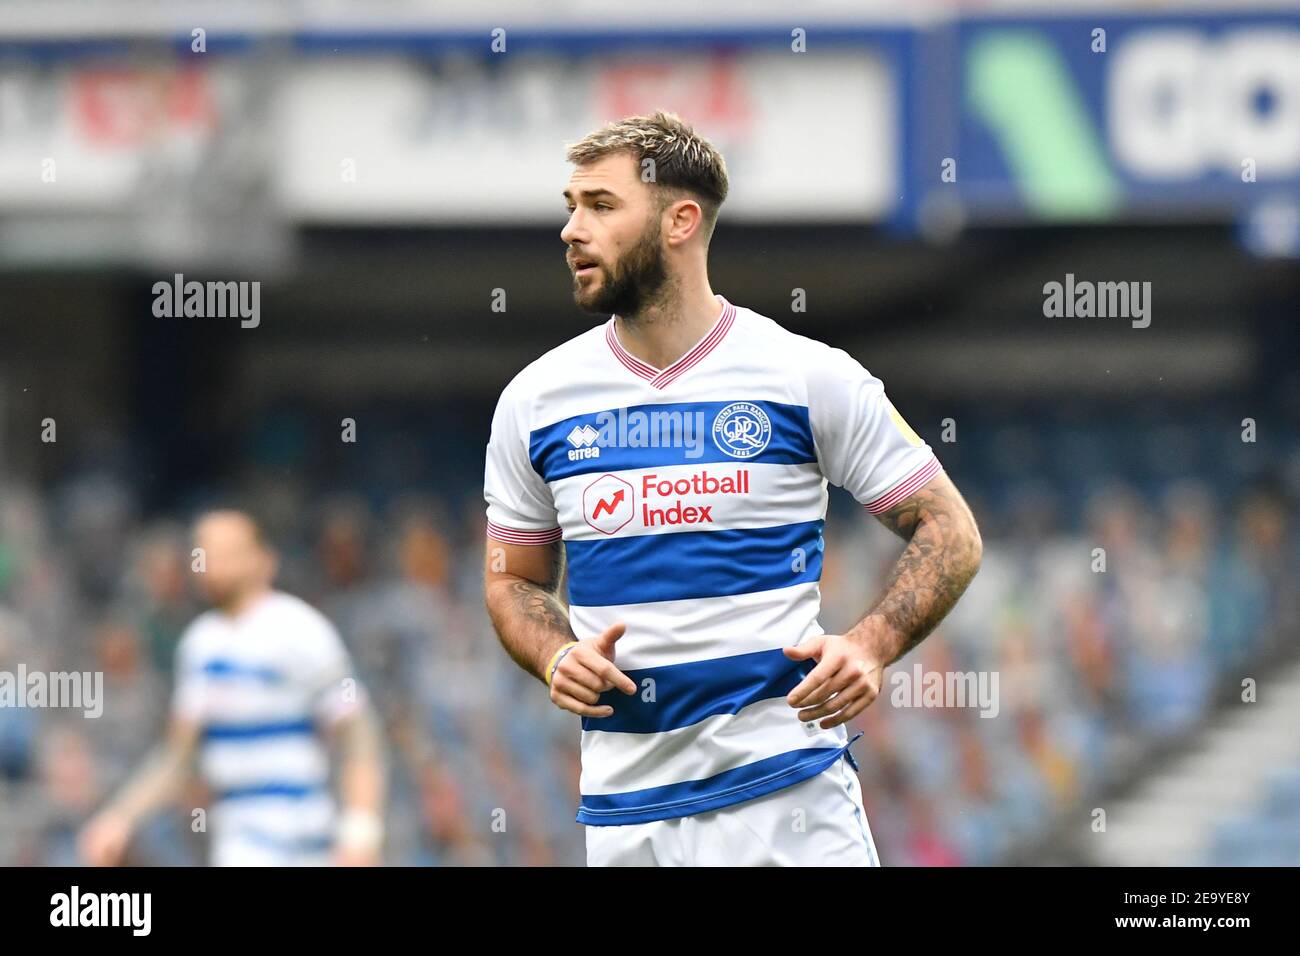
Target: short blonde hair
[683, 161]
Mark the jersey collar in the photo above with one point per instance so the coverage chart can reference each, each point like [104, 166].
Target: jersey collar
[661, 378]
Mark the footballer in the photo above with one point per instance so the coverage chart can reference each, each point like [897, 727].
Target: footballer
[672, 463]
[263, 685]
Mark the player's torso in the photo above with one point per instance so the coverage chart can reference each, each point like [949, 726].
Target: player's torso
[261, 753]
[691, 502]
[693, 511]
[251, 671]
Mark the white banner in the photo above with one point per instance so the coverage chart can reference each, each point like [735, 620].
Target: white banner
[141, 162]
[810, 138]
[107, 136]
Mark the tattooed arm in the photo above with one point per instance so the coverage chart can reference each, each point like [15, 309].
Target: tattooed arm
[522, 590]
[942, 555]
[522, 586]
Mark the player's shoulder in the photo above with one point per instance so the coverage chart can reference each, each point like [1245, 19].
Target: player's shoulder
[528, 397]
[200, 638]
[296, 615]
[564, 359]
[802, 354]
[205, 625]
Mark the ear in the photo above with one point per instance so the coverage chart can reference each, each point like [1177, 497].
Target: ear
[685, 220]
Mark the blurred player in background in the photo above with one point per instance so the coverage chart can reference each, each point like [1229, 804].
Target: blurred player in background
[677, 458]
[263, 685]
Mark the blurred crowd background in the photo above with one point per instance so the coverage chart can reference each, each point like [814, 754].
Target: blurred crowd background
[393, 182]
[1098, 670]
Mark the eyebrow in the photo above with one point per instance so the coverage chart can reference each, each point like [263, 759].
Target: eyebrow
[590, 193]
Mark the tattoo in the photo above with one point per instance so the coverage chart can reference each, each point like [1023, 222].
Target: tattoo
[538, 605]
[530, 616]
[942, 555]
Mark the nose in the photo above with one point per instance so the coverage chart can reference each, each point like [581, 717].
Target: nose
[573, 230]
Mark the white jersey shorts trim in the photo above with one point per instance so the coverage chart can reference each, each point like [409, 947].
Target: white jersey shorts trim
[819, 822]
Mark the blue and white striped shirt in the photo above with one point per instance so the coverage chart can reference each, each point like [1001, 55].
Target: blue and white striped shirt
[691, 502]
[263, 685]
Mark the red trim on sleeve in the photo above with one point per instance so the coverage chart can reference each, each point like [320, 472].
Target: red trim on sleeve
[905, 488]
[516, 536]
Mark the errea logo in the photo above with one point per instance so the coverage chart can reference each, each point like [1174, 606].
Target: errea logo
[581, 439]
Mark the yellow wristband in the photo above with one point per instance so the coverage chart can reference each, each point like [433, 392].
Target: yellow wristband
[555, 660]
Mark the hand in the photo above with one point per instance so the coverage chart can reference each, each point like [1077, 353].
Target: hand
[845, 681]
[587, 671]
[104, 839]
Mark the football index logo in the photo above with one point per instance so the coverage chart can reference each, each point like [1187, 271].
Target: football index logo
[608, 503]
[742, 430]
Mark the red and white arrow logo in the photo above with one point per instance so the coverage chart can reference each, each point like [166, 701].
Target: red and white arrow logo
[608, 503]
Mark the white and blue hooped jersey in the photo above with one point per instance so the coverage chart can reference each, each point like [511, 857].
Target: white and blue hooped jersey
[691, 501]
[263, 686]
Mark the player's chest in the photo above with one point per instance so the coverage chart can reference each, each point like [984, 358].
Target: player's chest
[248, 668]
[685, 466]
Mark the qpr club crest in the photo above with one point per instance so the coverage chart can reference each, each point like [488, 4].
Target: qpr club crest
[742, 430]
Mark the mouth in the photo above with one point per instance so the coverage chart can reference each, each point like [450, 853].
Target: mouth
[583, 267]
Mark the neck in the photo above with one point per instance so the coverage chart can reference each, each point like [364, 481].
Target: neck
[663, 330]
[242, 602]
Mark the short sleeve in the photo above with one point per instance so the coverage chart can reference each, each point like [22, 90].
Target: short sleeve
[863, 444]
[189, 695]
[332, 686]
[520, 509]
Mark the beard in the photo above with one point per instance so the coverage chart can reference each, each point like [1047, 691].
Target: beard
[221, 596]
[635, 280]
